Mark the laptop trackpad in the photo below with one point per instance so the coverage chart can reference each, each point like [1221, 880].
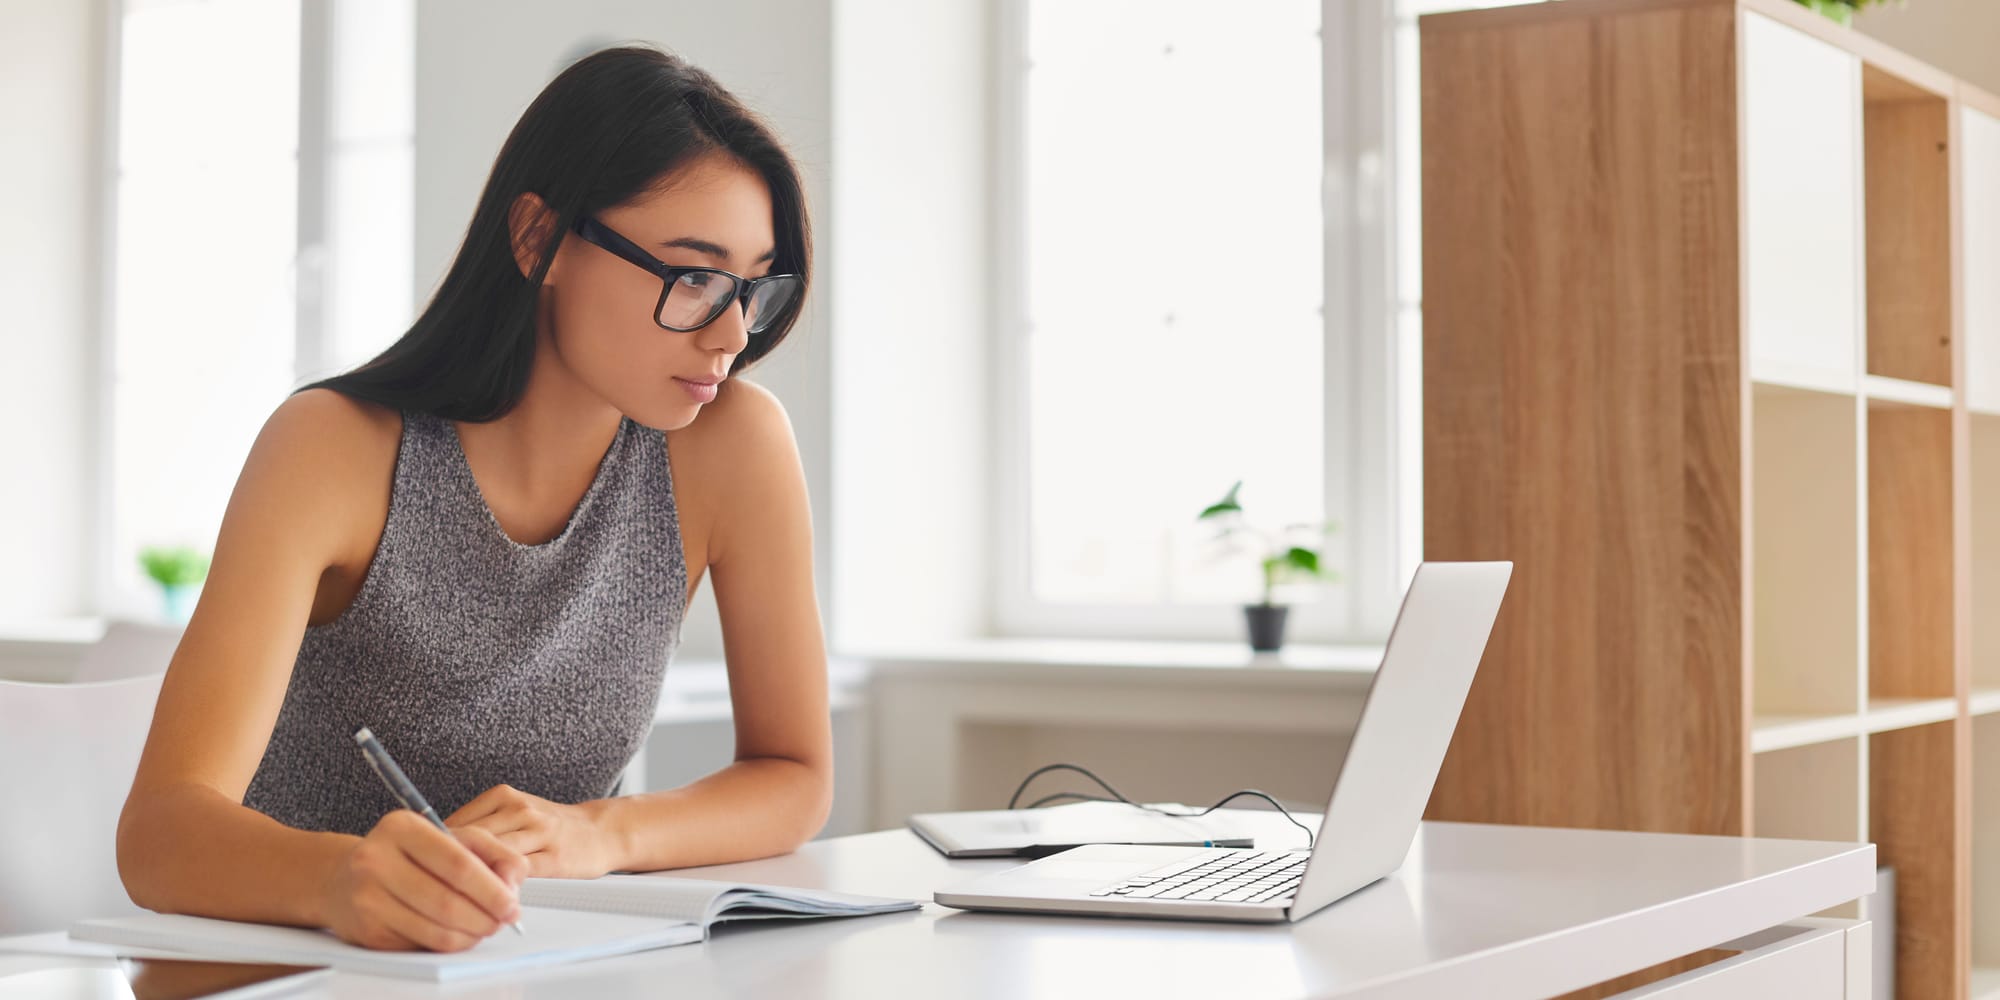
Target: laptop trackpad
[1093, 871]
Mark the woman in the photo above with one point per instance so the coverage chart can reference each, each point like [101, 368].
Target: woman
[480, 545]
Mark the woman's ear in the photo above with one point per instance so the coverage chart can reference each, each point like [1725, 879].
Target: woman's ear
[530, 224]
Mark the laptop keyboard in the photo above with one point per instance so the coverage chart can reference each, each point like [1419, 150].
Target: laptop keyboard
[1224, 876]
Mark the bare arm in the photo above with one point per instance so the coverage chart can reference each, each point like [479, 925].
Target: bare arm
[777, 793]
[185, 841]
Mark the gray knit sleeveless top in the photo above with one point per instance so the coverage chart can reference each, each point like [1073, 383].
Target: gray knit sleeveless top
[477, 660]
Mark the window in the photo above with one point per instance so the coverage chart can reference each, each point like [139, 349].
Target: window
[363, 251]
[262, 217]
[203, 317]
[1186, 200]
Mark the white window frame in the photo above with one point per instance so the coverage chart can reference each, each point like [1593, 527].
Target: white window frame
[1365, 482]
[310, 350]
[101, 578]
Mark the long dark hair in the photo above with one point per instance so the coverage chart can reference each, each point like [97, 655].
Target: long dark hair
[606, 130]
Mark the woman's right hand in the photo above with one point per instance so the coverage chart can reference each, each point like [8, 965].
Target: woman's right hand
[408, 885]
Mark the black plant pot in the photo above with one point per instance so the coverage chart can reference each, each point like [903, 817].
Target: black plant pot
[1267, 626]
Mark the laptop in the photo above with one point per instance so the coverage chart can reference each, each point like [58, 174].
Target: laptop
[1378, 799]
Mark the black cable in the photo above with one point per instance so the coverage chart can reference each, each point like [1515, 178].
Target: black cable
[1119, 796]
[1046, 768]
[1046, 799]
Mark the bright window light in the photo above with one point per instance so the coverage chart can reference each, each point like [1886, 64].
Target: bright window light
[1174, 254]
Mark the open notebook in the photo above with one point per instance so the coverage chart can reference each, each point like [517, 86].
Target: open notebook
[567, 920]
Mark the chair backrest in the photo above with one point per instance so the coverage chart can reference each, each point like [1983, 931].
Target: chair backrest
[67, 756]
[127, 649]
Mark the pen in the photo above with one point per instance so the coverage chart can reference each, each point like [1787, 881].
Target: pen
[399, 785]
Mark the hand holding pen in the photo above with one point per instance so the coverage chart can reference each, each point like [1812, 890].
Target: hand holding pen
[411, 883]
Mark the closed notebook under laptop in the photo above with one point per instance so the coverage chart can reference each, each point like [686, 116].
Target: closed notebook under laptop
[1033, 833]
[1385, 780]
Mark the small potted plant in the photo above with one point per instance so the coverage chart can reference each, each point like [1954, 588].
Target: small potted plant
[179, 570]
[1838, 10]
[1287, 555]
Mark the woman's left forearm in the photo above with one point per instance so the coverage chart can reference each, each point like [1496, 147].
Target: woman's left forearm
[754, 808]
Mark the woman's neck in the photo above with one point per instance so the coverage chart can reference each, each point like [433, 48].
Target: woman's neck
[554, 437]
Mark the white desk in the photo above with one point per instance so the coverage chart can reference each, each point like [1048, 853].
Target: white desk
[1476, 911]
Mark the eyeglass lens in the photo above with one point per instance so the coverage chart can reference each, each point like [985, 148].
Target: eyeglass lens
[699, 296]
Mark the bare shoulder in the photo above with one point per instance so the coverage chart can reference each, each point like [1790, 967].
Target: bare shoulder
[323, 463]
[741, 434]
[324, 424]
[744, 415]
[733, 463]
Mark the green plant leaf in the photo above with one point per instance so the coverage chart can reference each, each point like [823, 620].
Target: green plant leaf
[1225, 505]
[172, 566]
[1302, 559]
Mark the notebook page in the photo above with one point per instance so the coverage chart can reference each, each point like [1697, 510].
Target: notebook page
[699, 900]
[553, 936]
[636, 895]
[759, 902]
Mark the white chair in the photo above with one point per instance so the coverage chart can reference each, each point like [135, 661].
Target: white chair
[67, 756]
[127, 649]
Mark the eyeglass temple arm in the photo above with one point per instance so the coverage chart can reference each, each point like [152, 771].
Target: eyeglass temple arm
[590, 229]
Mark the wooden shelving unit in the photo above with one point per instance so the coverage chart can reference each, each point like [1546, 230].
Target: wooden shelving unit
[1712, 352]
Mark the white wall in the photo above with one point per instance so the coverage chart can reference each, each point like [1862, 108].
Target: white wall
[51, 110]
[480, 63]
[1961, 37]
[912, 173]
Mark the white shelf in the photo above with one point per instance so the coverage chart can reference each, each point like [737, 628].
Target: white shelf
[1985, 701]
[1810, 378]
[1801, 175]
[1807, 536]
[1783, 732]
[1985, 983]
[1811, 792]
[1885, 714]
[1979, 140]
[1895, 390]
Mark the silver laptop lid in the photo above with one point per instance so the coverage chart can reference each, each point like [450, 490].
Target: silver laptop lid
[1405, 728]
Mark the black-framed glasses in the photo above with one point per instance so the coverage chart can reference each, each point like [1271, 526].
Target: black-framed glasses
[692, 297]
